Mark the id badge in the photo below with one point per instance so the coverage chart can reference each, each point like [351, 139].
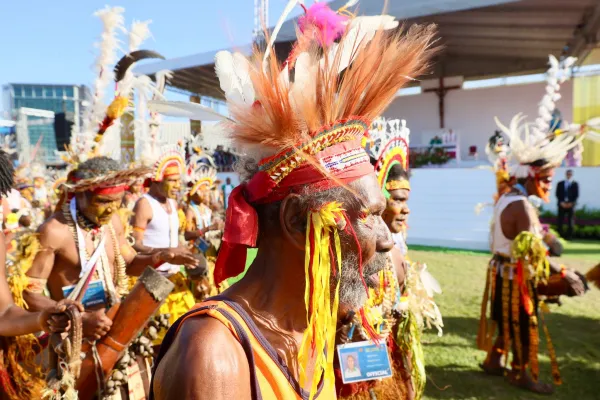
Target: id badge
[364, 361]
[202, 245]
[94, 295]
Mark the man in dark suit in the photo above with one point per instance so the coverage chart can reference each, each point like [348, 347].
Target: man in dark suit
[567, 193]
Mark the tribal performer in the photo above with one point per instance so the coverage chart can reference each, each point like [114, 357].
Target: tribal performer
[520, 275]
[309, 201]
[20, 376]
[203, 229]
[402, 305]
[87, 235]
[156, 227]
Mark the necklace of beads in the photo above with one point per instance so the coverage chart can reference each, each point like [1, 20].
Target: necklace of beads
[120, 266]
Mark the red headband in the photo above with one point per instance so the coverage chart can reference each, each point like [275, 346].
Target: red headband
[346, 161]
[110, 190]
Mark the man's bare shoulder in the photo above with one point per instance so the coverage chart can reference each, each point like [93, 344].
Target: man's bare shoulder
[141, 204]
[205, 361]
[53, 232]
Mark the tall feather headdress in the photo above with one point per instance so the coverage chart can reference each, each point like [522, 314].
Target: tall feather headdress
[388, 145]
[302, 121]
[100, 119]
[537, 145]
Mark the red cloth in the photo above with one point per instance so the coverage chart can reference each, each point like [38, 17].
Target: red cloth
[241, 223]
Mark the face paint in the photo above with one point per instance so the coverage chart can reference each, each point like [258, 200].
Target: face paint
[98, 208]
[543, 184]
[396, 211]
[170, 186]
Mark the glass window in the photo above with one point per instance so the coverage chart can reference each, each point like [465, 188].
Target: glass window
[49, 92]
[69, 91]
[27, 91]
[59, 92]
[18, 90]
[38, 91]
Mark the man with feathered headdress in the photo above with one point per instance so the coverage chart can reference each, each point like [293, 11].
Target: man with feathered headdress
[84, 243]
[309, 200]
[203, 228]
[157, 223]
[520, 275]
[402, 305]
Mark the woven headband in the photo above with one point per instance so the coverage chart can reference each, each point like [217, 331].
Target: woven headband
[341, 159]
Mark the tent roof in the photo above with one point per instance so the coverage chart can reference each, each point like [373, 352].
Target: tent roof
[480, 38]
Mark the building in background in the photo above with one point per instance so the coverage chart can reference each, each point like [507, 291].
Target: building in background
[67, 99]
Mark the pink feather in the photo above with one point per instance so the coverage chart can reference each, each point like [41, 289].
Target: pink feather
[326, 24]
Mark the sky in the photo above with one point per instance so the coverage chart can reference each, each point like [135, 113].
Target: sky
[53, 42]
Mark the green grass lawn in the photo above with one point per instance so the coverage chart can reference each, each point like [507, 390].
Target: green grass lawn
[452, 360]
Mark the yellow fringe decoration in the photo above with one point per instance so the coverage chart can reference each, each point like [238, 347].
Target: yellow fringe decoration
[530, 249]
[534, 342]
[553, 361]
[516, 324]
[182, 220]
[319, 337]
[505, 303]
[20, 374]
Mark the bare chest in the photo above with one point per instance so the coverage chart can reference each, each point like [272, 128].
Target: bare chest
[69, 264]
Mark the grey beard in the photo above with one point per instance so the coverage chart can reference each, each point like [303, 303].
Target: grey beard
[352, 291]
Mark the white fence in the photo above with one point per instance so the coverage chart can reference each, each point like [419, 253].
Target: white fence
[443, 200]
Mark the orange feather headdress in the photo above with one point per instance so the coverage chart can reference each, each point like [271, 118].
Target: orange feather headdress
[303, 121]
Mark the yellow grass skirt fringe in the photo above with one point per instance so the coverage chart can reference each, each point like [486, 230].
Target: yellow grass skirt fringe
[21, 376]
[179, 302]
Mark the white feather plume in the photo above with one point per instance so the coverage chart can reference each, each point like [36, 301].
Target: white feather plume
[234, 78]
[360, 31]
[138, 33]
[112, 21]
[421, 287]
[286, 11]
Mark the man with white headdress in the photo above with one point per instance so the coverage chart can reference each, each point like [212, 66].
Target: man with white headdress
[520, 274]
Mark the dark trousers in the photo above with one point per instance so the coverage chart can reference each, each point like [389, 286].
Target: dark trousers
[570, 215]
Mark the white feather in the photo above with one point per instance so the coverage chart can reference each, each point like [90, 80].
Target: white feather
[286, 11]
[431, 284]
[569, 62]
[361, 31]
[284, 77]
[552, 61]
[183, 109]
[138, 33]
[242, 68]
[351, 3]
[234, 77]
[594, 122]
[162, 77]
